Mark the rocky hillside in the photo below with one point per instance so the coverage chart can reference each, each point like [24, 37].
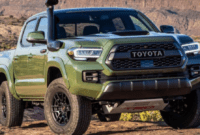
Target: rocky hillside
[183, 14]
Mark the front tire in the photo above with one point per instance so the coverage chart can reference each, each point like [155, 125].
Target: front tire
[66, 113]
[11, 109]
[185, 113]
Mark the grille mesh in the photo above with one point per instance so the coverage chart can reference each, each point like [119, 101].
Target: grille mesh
[126, 64]
[166, 62]
[131, 64]
[166, 46]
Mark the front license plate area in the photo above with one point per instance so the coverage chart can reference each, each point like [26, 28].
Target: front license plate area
[147, 63]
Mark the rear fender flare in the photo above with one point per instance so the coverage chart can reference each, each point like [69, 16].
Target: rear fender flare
[4, 70]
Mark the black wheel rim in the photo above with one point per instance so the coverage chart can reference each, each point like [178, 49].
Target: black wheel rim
[61, 109]
[4, 107]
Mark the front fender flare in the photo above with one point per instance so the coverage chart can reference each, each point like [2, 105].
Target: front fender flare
[58, 63]
[4, 70]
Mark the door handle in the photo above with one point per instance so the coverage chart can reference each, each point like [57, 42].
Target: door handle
[30, 56]
[43, 51]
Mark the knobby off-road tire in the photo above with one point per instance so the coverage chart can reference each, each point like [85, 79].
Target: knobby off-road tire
[108, 118]
[190, 117]
[76, 111]
[11, 109]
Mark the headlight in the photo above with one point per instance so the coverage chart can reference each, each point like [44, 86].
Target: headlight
[85, 53]
[191, 48]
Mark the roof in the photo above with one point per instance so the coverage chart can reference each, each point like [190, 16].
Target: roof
[85, 10]
[92, 9]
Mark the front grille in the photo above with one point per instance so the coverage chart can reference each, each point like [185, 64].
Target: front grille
[131, 64]
[165, 46]
[167, 62]
[123, 59]
[125, 64]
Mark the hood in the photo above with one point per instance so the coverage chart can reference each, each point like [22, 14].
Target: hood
[100, 40]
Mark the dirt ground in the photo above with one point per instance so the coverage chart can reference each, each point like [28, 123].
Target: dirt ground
[35, 124]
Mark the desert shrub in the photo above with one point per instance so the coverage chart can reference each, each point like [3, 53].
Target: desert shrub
[2, 45]
[11, 16]
[143, 116]
[22, 23]
[130, 117]
[7, 47]
[150, 116]
[10, 23]
[196, 38]
[126, 116]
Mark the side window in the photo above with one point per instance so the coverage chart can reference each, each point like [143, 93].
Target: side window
[119, 25]
[30, 27]
[43, 27]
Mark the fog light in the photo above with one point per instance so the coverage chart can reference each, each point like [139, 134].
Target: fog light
[195, 71]
[90, 76]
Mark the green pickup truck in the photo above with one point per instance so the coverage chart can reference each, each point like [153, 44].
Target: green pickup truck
[104, 61]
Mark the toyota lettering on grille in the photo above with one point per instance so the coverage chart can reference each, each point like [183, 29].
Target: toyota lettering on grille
[147, 53]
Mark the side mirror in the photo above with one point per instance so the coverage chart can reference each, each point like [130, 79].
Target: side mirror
[54, 46]
[167, 29]
[36, 37]
[51, 2]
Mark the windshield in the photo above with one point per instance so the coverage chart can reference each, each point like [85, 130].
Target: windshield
[96, 22]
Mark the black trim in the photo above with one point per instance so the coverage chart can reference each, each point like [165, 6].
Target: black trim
[184, 39]
[104, 78]
[144, 89]
[130, 33]
[127, 55]
[52, 44]
[51, 2]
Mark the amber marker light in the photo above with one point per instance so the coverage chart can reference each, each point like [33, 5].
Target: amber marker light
[70, 53]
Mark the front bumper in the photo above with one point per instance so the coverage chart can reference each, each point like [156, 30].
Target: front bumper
[131, 88]
[146, 89]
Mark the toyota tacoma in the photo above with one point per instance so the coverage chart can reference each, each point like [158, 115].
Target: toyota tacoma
[104, 61]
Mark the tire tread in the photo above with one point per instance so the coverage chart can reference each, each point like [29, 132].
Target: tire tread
[82, 105]
[15, 110]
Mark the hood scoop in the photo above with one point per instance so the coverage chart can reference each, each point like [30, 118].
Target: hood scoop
[130, 33]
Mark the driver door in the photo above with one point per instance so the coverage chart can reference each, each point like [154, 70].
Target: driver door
[20, 61]
[36, 64]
